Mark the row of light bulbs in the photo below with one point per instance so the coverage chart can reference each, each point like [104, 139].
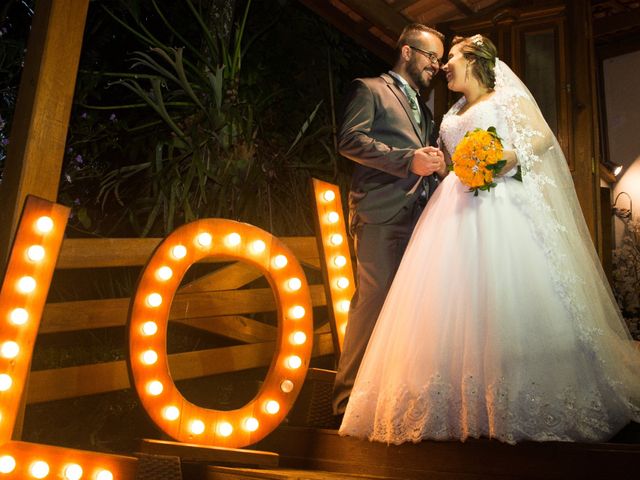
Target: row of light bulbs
[18, 318]
[155, 281]
[336, 252]
[41, 469]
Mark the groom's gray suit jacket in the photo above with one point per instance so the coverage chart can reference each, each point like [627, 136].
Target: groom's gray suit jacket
[379, 133]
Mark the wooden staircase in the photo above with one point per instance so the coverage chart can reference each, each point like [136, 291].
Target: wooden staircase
[312, 453]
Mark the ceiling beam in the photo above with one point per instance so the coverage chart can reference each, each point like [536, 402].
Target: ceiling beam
[358, 31]
[380, 14]
[616, 23]
[400, 5]
[464, 7]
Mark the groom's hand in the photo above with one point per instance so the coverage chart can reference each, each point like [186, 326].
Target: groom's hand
[428, 160]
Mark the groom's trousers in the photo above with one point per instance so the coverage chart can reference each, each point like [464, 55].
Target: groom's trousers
[379, 250]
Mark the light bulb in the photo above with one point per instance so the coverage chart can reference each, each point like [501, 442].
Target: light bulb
[333, 217]
[5, 382]
[154, 300]
[26, 284]
[233, 239]
[342, 282]
[336, 239]
[294, 362]
[343, 306]
[19, 316]
[328, 195]
[224, 429]
[178, 252]
[251, 424]
[280, 261]
[339, 261]
[149, 328]
[7, 464]
[104, 475]
[286, 386]
[149, 357]
[39, 469]
[155, 388]
[164, 273]
[35, 253]
[44, 224]
[272, 407]
[296, 312]
[258, 247]
[204, 239]
[298, 338]
[171, 413]
[9, 349]
[196, 427]
[73, 471]
[294, 284]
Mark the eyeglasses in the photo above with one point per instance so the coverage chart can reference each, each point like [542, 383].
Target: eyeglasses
[433, 58]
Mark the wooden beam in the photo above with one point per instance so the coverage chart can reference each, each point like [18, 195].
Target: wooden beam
[380, 14]
[87, 314]
[616, 23]
[400, 5]
[70, 382]
[230, 277]
[39, 130]
[235, 327]
[359, 32]
[464, 7]
[216, 455]
[125, 252]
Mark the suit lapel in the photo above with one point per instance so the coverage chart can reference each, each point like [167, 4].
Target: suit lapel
[402, 98]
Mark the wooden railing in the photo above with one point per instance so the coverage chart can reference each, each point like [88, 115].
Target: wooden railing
[211, 303]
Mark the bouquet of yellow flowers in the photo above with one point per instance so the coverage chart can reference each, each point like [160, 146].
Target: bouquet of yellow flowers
[477, 158]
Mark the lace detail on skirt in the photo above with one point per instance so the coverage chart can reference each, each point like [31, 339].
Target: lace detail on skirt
[441, 411]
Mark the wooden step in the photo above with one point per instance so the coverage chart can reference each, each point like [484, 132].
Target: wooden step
[324, 450]
[225, 473]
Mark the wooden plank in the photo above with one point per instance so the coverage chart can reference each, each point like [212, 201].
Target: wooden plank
[235, 327]
[124, 252]
[87, 314]
[380, 14]
[483, 459]
[39, 130]
[359, 32]
[229, 277]
[70, 382]
[199, 453]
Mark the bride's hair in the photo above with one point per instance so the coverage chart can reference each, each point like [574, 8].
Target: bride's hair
[484, 52]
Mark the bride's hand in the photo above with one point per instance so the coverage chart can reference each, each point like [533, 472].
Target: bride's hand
[512, 160]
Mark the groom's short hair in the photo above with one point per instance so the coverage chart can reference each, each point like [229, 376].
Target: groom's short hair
[411, 35]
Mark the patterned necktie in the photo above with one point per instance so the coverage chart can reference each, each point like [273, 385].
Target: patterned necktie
[412, 96]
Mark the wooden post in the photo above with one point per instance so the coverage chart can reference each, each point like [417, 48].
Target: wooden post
[41, 118]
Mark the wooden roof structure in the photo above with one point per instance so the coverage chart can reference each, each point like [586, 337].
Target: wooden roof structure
[376, 24]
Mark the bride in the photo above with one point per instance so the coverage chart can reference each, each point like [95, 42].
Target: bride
[500, 322]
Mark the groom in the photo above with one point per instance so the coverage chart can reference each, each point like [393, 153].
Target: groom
[386, 130]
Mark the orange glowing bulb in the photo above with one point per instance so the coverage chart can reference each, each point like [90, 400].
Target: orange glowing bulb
[164, 273]
[294, 284]
[196, 427]
[26, 284]
[224, 429]
[286, 386]
[339, 261]
[44, 224]
[298, 338]
[7, 464]
[104, 475]
[154, 300]
[149, 357]
[179, 252]
[297, 312]
[5, 382]
[328, 195]
[280, 261]
[294, 362]
[35, 253]
[333, 217]
[155, 388]
[336, 239]
[19, 316]
[233, 239]
[39, 469]
[9, 349]
[251, 424]
[258, 247]
[73, 471]
[149, 328]
[171, 413]
[342, 283]
[204, 239]
[272, 407]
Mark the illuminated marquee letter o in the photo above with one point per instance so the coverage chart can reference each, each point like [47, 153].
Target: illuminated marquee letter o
[148, 318]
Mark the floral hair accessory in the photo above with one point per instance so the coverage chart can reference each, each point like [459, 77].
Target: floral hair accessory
[477, 40]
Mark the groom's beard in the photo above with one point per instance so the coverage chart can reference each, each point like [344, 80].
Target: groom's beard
[417, 74]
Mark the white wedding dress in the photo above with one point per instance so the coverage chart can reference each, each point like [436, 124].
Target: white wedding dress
[484, 332]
